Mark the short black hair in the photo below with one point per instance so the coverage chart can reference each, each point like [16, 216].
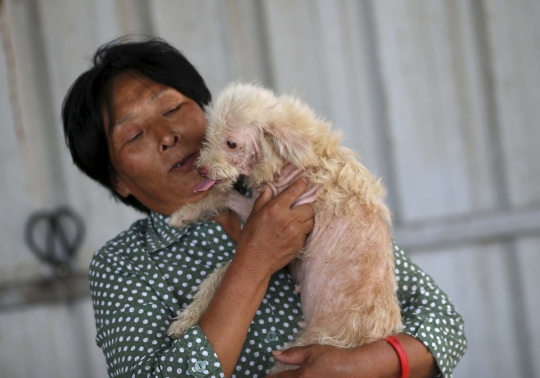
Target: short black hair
[90, 98]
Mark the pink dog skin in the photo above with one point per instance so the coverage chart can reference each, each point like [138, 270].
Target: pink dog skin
[289, 174]
[327, 270]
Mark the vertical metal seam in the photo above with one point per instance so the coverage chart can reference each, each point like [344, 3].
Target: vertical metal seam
[7, 46]
[487, 76]
[480, 26]
[523, 339]
[146, 17]
[50, 121]
[264, 43]
[225, 38]
[383, 130]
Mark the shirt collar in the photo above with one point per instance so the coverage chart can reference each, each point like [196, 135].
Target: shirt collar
[160, 234]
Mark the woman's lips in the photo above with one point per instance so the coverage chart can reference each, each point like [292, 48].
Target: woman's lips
[185, 164]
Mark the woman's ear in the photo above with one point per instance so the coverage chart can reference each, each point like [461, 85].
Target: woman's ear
[120, 187]
[294, 147]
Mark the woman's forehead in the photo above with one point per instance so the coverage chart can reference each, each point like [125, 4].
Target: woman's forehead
[129, 87]
[130, 90]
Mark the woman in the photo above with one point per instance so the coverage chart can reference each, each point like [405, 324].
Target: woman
[135, 122]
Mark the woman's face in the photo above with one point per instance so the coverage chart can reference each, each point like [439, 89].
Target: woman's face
[157, 135]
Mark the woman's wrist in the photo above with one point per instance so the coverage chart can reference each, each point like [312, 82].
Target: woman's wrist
[251, 264]
[381, 358]
[421, 361]
[402, 355]
[250, 273]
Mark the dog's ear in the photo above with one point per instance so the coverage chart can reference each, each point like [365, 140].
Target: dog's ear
[294, 147]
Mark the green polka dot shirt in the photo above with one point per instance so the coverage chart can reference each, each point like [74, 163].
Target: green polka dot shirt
[145, 276]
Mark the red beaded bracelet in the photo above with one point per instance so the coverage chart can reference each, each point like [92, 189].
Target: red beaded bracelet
[402, 354]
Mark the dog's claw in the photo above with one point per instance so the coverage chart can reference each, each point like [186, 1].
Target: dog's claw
[178, 328]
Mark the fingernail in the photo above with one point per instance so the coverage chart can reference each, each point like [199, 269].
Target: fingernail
[277, 352]
[304, 179]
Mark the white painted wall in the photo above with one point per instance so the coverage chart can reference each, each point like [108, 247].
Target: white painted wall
[441, 99]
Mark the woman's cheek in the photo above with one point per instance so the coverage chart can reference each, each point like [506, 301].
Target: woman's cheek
[133, 159]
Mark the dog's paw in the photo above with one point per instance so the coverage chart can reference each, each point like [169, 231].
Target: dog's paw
[180, 325]
[178, 219]
[184, 216]
[279, 367]
[187, 319]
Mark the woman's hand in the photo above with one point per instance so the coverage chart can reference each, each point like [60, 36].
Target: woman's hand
[377, 359]
[274, 232]
[320, 361]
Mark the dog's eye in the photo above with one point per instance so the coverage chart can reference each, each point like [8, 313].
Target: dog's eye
[231, 144]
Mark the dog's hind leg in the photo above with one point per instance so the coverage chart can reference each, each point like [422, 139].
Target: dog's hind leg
[190, 316]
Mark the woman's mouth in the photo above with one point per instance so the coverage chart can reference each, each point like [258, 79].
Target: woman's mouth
[185, 164]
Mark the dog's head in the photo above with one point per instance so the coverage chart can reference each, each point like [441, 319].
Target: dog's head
[248, 133]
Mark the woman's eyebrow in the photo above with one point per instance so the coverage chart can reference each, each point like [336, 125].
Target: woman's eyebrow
[158, 93]
[126, 118]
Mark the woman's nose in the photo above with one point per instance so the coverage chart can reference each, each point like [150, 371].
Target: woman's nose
[168, 138]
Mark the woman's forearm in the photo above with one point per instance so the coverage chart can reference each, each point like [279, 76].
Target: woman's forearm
[385, 359]
[375, 360]
[229, 314]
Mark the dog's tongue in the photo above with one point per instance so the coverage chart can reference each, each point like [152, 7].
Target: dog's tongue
[204, 185]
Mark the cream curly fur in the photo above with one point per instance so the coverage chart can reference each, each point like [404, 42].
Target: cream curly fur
[346, 271]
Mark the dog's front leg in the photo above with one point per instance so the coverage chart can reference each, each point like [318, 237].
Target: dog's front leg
[203, 209]
[238, 203]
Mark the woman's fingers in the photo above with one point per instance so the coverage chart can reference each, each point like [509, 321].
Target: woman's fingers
[290, 194]
[293, 356]
[266, 195]
[307, 226]
[275, 232]
[303, 212]
[300, 218]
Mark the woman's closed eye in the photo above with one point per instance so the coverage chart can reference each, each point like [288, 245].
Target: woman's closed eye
[172, 111]
[134, 137]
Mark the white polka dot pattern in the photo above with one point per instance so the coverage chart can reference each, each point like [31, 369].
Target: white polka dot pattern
[428, 314]
[146, 275]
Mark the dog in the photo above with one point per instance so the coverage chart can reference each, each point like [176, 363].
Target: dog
[345, 273]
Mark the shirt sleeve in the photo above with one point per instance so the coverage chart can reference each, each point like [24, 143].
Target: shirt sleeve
[428, 314]
[132, 323]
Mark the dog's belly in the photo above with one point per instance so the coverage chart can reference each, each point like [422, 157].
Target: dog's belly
[346, 279]
[330, 269]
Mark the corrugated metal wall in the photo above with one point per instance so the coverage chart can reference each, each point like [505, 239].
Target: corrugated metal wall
[441, 98]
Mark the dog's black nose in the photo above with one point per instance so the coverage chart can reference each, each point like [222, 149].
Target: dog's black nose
[202, 171]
